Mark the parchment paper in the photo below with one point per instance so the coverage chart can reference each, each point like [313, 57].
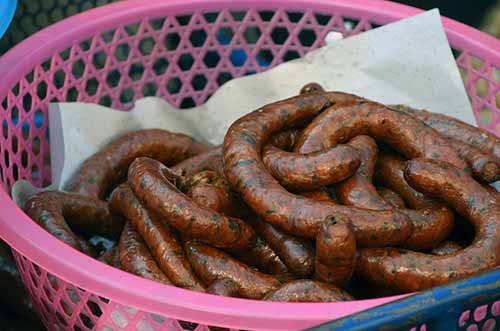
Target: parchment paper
[408, 62]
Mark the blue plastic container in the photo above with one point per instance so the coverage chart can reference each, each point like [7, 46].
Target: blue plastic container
[7, 10]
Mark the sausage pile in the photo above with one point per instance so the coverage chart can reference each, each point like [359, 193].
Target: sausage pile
[325, 196]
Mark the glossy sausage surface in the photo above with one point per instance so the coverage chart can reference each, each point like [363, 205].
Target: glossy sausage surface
[305, 290]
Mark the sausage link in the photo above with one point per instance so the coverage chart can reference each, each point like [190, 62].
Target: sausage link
[335, 252]
[404, 133]
[319, 195]
[162, 243]
[391, 197]
[295, 214]
[88, 216]
[313, 170]
[454, 128]
[410, 271]
[223, 287]
[305, 290]
[111, 257]
[100, 172]
[212, 265]
[311, 88]
[389, 172]
[217, 197]
[446, 248]
[209, 160]
[285, 139]
[136, 258]
[151, 182]
[432, 222]
[485, 168]
[296, 253]
[358, 190]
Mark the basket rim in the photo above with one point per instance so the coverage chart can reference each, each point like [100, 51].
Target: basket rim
[30, 240]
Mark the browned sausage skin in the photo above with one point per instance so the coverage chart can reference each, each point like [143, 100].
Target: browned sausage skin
[152, 183]
[446, 248]
[54, 210]
[209, 160]
[319, 195]
[403, 132]
[223, 287]
[106, 168]
[136, 258]
[301, 172]
[410, 271]
[335, 251]
[311, 88]
[391, 197]
[305, 290]
[213, 265]
[358, 190]
[432, 221]
[484, 167]
[162, 243]
[295, 214]
[296, 253]
[453, 128]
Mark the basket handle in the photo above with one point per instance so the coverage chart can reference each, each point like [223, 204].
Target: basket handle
[439, 308]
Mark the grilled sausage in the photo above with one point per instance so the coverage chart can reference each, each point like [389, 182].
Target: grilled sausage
[403, 132]
[161, 241]
[213, 265]
[358, 190]
[410, 271]
[136, 258]
[446, 248]
[391, 197]
[111, 257]
[310, 171]
[296, 253]
[154, 185]
[335, 251]
[305, 290]
[54, 210]
[223, 287]
[105, 169]
[295, 214]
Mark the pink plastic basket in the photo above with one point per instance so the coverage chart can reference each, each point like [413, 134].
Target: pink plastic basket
[182, 51]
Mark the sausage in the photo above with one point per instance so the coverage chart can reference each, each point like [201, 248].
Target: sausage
[285, 139]
[358, 190]
[454, 128]
[310, 171]
[292, 213]
[311, 88]
[136, 258]
[485, 168]
[391, 197]
[296, 253]
[217, 197]
[305, 290]
[335, 251]
[111, 257]
[446, 248]
[223, 287]
[161, 241]
[210, 190]
[432, 222]
[404, 133]
[100, 172]
[154, 185]
[319, 195]
[212, 264]
[209, 160]
[411, 271]
[389, 172]
[86, 215]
